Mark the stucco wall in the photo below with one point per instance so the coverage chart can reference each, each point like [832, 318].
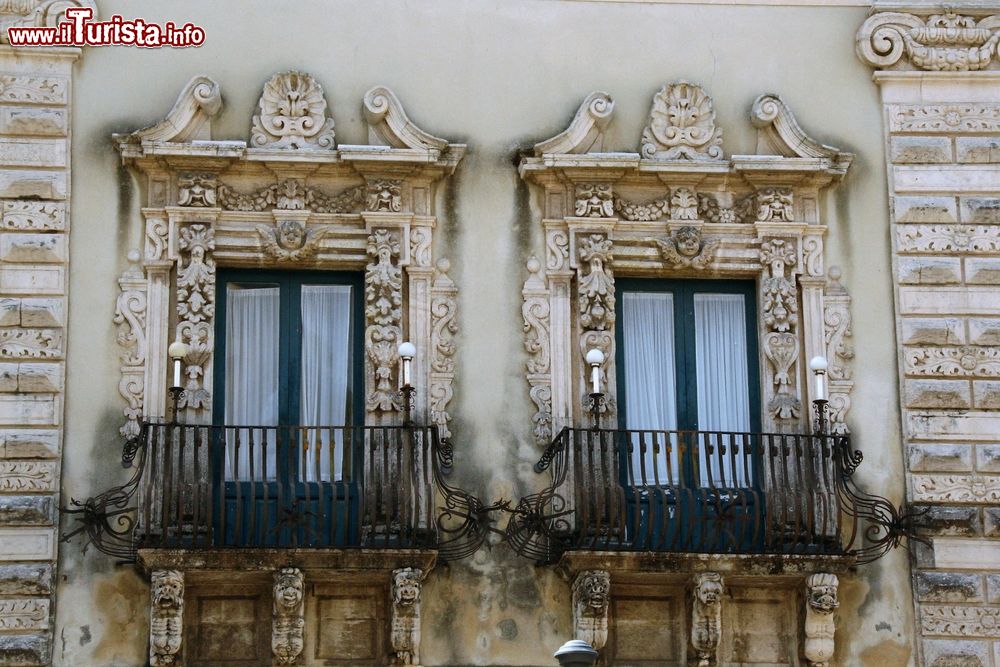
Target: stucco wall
[498, 76]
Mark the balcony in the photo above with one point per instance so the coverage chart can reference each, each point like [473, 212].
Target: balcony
[213, 488]
[702, 492]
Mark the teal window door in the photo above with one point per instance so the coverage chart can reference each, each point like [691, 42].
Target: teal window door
[689, 405]
[288, 388]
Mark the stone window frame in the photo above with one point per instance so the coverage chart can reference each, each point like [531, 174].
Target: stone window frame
[680, 209]
[292, 199]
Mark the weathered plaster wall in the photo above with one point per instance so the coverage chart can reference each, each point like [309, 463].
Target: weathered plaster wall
[498, 77]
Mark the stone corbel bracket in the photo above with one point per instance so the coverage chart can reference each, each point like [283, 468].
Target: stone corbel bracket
[585, 133]
[190, 119]
[947, 42]
[779, 131]
[591, 604]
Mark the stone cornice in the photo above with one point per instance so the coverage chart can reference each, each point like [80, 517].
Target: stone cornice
[930, 39]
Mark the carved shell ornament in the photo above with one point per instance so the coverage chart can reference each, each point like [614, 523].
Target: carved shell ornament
[943, 42]
[682, 125]
[292, 114]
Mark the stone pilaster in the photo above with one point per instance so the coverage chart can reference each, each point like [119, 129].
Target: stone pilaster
[35, 96]
[940, 88]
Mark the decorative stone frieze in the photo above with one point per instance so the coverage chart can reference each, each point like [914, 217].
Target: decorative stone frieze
[944, 488]
[959, 621]
[288, 622]
[591, 603]
[405, 633]
[948, 239]
[293, 195]
[706, 617]
[936, 118]
[292, 114]
[821, 603]
[166, 617]
[953, 361]
[939, 42]
[610, 215]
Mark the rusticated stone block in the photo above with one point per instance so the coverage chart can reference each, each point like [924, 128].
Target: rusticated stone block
[43, 312]
[949, 587]
[32, 579]
[991, 521]
[26, 511]
[980, 210]
[925, 209]
[40, 378]
[933, 331]
[937, 394]
[930, 270]
[984, 331]
[978, 149]
[10, 312]
[8, 378]
[943, 520]
[39, 248]
[32, 278]
[24, 650]
[21, 183]
[986, 395]
[940, 458]
[920, 150]
[982, 271]
[988, 458]
[29, 443]
[993, 588]
[956, 653]
[27, 120]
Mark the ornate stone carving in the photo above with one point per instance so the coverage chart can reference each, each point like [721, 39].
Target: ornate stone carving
[941, 42]
[384, 195]
[34, 215]
[775, 205]
[31, 344]
[649, 211]
[30, 89]
[556, 250]
[742, 211]
[535, 312]
[591, 601]
[837, 318]
[130, 318]
[956, 488]
[948, 238]
[20, 615]
[944, 118]
[683, 204]
[388, 124]
[196, 309]
[292, 195]
[957, 621]
[687, 249]
[157, 230]
[585, 133]
[953, 361]
[596, 283]
[27, 476]
[420, 246]
[706, 617]
[383, 312]
[682, 125]
[595, 200]
[196, 189]
[288, 622]
[821, 602]
[290, 241]
[780, 316]
[405, 635]
[190, 118]
[444, 327]
[779, 131]
[166, 618]
[292, 114]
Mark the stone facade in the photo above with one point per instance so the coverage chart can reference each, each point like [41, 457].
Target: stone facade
[938, 77]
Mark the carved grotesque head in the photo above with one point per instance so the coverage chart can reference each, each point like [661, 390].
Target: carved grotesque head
[775, 204]
[823, 592]
[197, 189]
[406, 586]
[168, 589]
[688, 241]
[592, 590]
[291, 234]
[708, 588]
[595, 200]
[288, 588]
[384, 195]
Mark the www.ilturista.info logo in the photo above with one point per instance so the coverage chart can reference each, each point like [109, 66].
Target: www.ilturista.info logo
[78, 30]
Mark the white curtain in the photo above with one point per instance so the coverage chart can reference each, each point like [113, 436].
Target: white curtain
[252, 334]
[650, 384]
[326, 330]
[723, 383]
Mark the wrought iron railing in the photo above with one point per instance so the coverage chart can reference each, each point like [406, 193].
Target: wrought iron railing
[703, 492]
[211, 487]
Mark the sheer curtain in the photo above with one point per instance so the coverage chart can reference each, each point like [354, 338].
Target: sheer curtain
[650, 384]
[326, 330]
[252, 331]
[723, 381]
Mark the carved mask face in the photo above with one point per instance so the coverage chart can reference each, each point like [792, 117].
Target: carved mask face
[824, 598]
[167, 592]
[688, 241]
[288, 591]
[291, 235]
[709, 592]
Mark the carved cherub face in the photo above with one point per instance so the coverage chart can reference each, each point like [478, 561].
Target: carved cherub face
[406, 588]
[709, 591]
[288, 588]
[688, 241]
[291, 234]
[168, 590]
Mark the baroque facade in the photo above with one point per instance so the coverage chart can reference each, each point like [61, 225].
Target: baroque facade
[286, 379]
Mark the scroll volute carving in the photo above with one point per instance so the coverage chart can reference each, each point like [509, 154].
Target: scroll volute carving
[383, 315]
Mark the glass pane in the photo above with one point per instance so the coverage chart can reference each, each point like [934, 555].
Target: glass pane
[650, 385]
[723, 386]
[326, 374]
[252, 333]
